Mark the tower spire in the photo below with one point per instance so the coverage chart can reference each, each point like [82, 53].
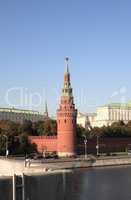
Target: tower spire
[46, 114]
[66, 65]
[67, 90]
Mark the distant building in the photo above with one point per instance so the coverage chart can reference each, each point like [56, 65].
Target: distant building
[85, 120]
[18, 115]
[108, 114]
[82, 119]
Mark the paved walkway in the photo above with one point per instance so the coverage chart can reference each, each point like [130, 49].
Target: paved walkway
[8, 167]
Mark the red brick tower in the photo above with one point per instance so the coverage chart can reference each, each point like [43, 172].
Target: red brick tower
[66, 119]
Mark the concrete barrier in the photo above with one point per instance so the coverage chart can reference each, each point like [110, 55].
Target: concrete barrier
[36, 187]
[44, 187]
[112, 162]
[5, 188]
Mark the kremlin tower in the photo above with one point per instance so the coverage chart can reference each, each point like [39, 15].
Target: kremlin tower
[66, 119]
[46, 114]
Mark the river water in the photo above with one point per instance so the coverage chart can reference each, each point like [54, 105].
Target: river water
[99, 184]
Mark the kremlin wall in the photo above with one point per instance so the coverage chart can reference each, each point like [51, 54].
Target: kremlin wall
[65, 144]
[44, 143]
[65, 141]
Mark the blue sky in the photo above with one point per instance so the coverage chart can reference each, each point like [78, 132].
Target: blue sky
[36, 36]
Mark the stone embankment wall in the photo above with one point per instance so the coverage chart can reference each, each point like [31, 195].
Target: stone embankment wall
[6, 188]
[36, 187]
[112, 161]
[10, 167]
[49, 185]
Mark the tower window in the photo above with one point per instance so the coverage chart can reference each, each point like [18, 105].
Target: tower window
[65, 121]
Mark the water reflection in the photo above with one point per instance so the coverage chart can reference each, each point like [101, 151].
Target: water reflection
[99, 184]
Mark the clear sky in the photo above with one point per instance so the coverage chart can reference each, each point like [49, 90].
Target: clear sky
[36, 36]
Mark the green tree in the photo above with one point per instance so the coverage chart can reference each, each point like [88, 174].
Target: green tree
[26, 127]
[25, 147]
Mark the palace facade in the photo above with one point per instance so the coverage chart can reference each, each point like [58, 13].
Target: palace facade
[18, 115]
[106, 115]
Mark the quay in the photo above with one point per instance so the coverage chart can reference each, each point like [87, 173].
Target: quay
[9, 167]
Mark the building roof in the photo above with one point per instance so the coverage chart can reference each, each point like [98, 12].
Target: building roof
[118, 105]
[15, 110]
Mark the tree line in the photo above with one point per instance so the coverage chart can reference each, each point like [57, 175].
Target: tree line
[117, 129]
[15, 135]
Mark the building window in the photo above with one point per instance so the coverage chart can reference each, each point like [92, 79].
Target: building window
[65, 121]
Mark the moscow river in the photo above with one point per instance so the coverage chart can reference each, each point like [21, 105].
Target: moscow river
[99, 184]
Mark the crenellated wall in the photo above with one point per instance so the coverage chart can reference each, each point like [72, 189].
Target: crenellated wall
[44, 143]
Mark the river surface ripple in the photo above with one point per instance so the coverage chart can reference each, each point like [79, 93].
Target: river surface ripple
[99, 184]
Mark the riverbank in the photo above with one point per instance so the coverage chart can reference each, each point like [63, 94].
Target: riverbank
[69, 184]
[8, 167]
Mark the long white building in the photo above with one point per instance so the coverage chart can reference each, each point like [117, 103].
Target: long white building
[108, 114]
[18, 115]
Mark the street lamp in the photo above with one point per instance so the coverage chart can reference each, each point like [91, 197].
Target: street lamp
[85, 143]
[7, 151]
[97, 146]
